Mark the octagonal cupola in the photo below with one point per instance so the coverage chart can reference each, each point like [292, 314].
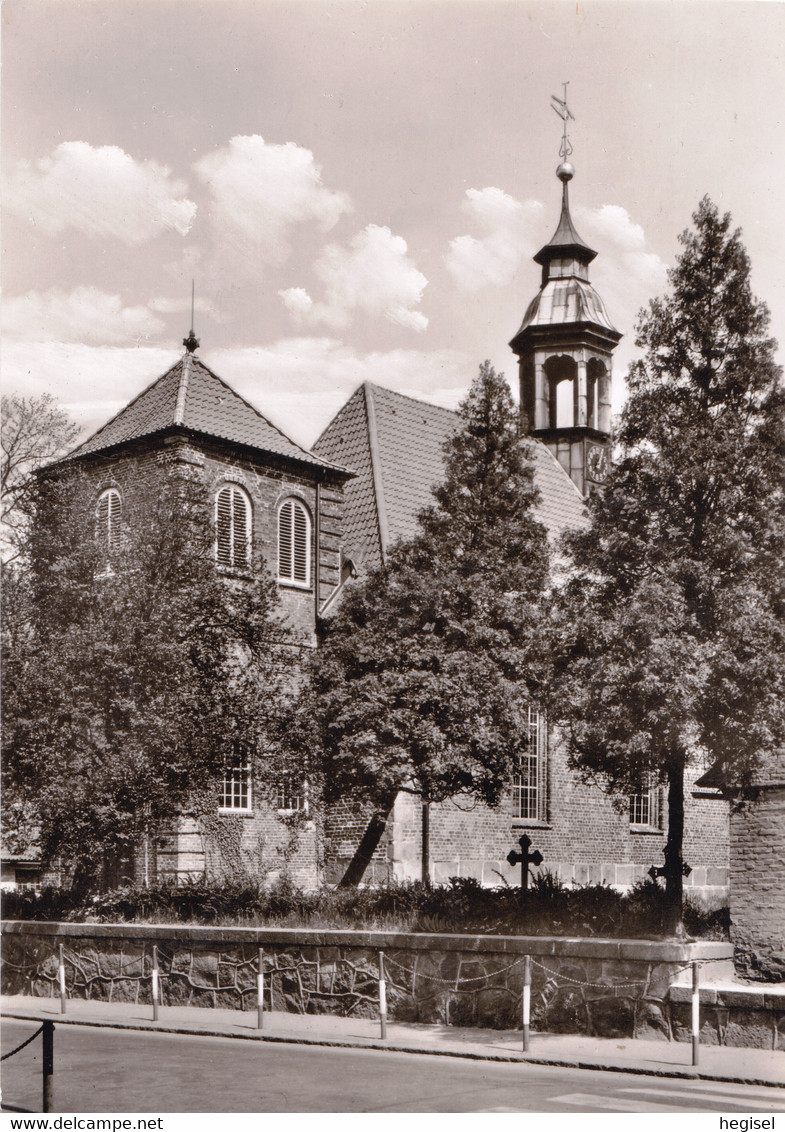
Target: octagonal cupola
[564, 346]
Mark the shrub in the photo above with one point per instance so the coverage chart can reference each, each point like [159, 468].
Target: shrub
[463, 905]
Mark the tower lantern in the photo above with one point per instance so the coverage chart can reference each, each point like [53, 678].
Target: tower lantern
[564, 346]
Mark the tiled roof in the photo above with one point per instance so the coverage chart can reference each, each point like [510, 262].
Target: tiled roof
[191, 396]
[394, 444]
[346, 441]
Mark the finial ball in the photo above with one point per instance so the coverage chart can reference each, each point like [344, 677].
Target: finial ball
[566, 171]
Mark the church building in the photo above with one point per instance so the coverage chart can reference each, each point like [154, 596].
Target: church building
[325, 516]
[394, 444]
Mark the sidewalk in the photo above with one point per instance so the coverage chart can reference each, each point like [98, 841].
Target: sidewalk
[669, 1059]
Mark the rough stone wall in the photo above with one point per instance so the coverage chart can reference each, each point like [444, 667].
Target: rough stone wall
[757, 883]
[585, 840]
[605, 988]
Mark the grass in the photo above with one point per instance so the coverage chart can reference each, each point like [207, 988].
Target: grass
[462, 906]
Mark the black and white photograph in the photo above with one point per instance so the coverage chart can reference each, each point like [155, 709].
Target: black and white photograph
[393, 561]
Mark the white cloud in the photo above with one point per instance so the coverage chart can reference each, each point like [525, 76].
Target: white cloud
[82, 315]
[511, 229]
[99, 190]
[300, 383]
[626, 274]
[297, 300]
[374, 275]
[260, 191]
[91, 383]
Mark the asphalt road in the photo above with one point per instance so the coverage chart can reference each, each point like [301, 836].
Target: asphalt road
[119, 1071]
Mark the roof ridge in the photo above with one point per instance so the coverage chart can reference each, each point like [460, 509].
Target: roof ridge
[376, 468]
[124, 409]
[357, 392]
[408, 397]
[259, 414]
[542, 446]
[182, 390]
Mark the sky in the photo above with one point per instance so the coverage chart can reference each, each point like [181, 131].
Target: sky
[357, 189]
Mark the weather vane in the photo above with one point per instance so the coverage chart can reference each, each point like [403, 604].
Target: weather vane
[564, 112]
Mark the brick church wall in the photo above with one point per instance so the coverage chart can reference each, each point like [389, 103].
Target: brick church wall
[585, 839]
[264, 843]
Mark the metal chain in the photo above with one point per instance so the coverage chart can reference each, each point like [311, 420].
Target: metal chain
[5, 1056]
[449, 982]
[580, 983]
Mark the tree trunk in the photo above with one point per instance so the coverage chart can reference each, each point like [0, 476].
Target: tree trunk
[366, 849]
[425, 857]
[674, 879]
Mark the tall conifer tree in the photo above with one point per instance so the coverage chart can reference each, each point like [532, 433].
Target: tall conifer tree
[424, 677]
[673, 642]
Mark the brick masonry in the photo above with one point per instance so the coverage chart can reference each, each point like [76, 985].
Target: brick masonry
[585, 840]
[757, 883]
[264, 843]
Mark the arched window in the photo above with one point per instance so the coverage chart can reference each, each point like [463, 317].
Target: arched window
[233, 527]
[107, 518]
[294, 544]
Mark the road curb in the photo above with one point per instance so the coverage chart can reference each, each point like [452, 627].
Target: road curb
[687, 1072]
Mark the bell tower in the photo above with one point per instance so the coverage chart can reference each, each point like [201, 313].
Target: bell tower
[564, 346]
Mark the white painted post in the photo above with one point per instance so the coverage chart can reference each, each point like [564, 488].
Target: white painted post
[382, 996]
[155, 983]
[696, 1013]
[260, 991]
[61, 979]
[527, 1000]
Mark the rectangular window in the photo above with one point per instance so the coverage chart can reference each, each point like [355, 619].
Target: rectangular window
[236, 787]
[645, 808]
[292, 795]
[529, 790]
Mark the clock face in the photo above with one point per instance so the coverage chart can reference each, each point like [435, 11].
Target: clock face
[597, 463]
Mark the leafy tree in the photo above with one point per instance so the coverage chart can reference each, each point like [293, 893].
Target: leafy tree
[133, 673]
[672, 644]
[424, 676]
[33, 431]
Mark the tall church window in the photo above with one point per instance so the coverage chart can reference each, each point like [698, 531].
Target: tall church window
[233, 527]
[529, 781]
[108, 512]
[294, 543]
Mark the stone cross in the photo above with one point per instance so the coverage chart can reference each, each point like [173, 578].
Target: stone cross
[526, 858]
[662, 870]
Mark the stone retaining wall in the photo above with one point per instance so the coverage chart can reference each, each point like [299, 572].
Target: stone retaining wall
[610, 988]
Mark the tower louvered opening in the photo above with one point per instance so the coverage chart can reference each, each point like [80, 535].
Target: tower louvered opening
[233, 528]
[294, 536]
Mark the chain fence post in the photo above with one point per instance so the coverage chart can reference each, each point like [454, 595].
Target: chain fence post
[155, 983]
[61, 978]
[527, 999]
[260, 991]
[48, 1063]
[382, 997]
[696, 1012]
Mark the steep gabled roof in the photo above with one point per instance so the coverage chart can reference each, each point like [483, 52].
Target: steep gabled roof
[394, 443]
[192, 397]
